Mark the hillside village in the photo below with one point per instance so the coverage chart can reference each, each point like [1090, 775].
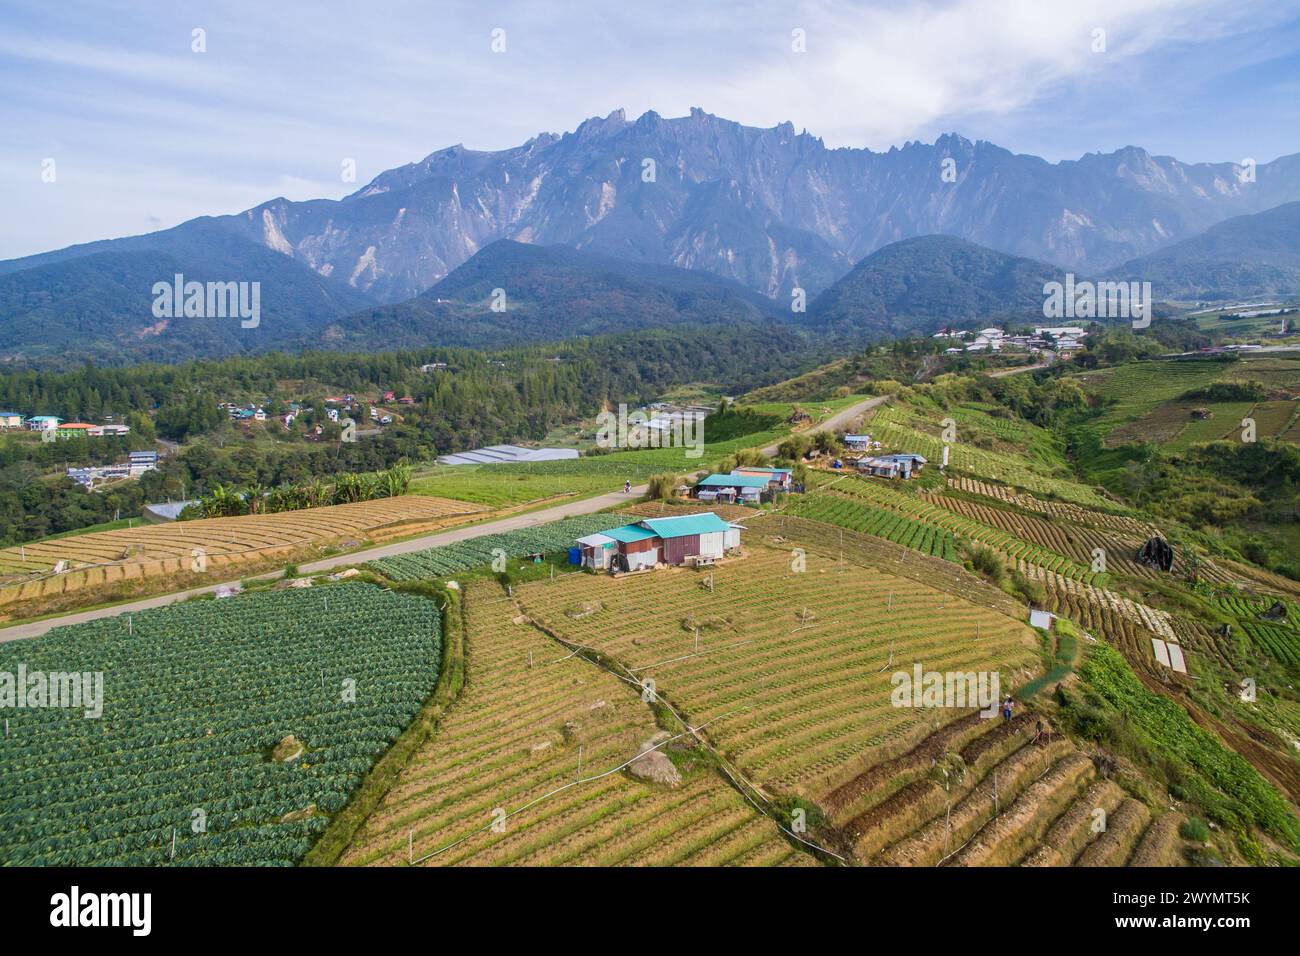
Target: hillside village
[1050, 341]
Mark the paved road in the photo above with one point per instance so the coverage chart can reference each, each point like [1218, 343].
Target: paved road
[512, 523]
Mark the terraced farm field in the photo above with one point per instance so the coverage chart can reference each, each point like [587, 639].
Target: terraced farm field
[900, 430]
[1274, 371]
[1138, 384]
[923, 514]
[216, 545]
[195, 698]
[1111, 518]
[534, 741]
[792, 670]
[847, 511]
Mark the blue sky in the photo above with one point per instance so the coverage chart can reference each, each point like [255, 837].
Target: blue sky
[145, 133]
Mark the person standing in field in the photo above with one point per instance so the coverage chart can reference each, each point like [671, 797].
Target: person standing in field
[627, 487]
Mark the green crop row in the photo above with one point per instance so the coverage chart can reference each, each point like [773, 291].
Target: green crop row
[880, 522]
[876, 491]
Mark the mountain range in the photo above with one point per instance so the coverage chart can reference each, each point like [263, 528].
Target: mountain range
[656, 221]
[1243, 257]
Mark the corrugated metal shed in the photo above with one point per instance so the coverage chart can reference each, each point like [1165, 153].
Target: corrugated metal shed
[630, 533]
[685, 525]
[732, 481]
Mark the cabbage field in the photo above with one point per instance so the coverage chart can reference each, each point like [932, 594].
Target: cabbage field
[181, 765]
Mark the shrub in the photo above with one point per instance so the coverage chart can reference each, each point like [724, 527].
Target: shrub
[985, 561]
[1195, 829]
[660, 486]
[1032, 591]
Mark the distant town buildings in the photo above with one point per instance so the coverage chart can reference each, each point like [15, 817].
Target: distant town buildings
[1059, 339]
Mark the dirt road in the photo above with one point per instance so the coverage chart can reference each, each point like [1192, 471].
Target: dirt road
[836, 421]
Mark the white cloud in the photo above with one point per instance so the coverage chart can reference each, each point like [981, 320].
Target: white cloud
[278, 100]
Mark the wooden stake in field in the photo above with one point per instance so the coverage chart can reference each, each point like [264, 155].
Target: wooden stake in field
[410, 846]
[173, 843]
[530, 660]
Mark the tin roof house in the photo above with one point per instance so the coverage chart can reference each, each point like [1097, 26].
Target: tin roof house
[730, 488]
[893, 466]
[684, 539]
[776, 477]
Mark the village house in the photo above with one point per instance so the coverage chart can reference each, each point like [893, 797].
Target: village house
[747, 489]
[39, 423]
[74, 430]
[893, 466]
[685, 539]
[779, 479]
[10, 420]
[109, 431]
[860, 442]
[138, 462]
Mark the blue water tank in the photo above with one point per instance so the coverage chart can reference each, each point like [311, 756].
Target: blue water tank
[575, 556]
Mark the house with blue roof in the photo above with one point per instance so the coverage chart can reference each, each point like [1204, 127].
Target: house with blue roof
[11, 420]
[779, 479]
[683, 539]
[733, 487]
